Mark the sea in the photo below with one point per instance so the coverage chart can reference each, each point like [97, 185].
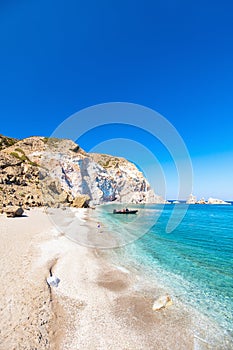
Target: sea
[194, 262]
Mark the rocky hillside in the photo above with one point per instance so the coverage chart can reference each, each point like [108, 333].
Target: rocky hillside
[6, 141]
[39, 171]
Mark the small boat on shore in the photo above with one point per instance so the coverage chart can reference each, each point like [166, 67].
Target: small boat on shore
[125, 211]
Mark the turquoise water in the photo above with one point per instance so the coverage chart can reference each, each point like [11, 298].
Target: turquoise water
[195, 261]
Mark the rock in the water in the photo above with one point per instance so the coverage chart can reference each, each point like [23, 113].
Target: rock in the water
[162, 302]
[191, 199]
[13, 211]
[216, 201]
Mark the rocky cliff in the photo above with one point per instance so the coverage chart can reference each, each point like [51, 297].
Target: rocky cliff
[40, 171]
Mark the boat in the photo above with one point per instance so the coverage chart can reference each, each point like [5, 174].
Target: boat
[125, 211]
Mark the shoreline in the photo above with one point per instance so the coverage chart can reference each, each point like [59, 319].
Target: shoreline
[205, 331]
[97, 304]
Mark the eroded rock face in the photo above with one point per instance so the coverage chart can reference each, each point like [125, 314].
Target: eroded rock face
[39, 171]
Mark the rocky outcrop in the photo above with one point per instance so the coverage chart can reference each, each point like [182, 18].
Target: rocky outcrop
[46, 171]
[216, 201]
[191, 199]
[201, 201]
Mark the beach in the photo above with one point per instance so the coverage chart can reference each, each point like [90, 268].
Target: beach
[94, 306]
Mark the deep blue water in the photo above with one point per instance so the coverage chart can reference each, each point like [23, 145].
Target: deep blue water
[195, 260]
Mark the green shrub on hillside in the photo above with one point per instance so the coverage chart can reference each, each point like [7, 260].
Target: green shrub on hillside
[16, 155]
[6, 142]
[23, 157]
[19, 150]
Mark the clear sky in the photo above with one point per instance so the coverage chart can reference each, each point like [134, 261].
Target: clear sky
[176, 57]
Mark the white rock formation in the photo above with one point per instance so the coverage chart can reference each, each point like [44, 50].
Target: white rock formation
[191, 199]
[201, 201]
[103, 178]
[217, 201]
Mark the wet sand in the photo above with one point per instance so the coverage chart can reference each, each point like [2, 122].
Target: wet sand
[96, 304]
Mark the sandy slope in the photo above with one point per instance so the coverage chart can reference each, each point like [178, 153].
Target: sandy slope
[94, 307]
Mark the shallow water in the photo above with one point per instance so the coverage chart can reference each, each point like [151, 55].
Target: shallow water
[194, 262]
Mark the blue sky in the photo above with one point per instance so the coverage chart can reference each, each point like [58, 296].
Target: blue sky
[176, 57]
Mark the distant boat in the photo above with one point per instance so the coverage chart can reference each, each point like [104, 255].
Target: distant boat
[125, 211]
